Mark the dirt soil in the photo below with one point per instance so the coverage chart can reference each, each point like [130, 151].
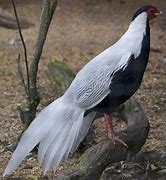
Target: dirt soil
[79, 31]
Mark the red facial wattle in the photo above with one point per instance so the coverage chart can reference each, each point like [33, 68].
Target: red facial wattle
[153, 12]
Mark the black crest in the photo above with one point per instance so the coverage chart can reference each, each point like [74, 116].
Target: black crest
[141, 10]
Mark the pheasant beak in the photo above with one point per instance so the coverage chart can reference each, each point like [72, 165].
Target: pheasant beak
[158, 13]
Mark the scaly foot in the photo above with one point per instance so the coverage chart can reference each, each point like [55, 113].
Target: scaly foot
[116, 136]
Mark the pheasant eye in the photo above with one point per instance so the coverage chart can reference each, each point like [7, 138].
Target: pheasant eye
[152, 10]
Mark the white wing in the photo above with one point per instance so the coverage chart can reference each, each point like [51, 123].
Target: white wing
[94, 87]
[93, 81]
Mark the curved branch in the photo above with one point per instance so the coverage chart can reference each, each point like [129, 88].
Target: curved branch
[94, 161]
[7, 20]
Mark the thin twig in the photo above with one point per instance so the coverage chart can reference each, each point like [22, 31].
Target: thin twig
[24, 47]
[21, 73]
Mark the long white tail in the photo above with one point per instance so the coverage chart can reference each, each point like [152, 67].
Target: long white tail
[59, 128]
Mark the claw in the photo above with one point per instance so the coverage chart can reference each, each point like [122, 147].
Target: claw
[117, 137]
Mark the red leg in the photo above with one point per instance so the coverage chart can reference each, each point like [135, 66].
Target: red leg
[111, 133]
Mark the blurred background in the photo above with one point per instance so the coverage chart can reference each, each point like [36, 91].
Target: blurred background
[80, 30]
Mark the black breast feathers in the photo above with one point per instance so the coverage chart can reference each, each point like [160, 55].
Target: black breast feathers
[126, 81]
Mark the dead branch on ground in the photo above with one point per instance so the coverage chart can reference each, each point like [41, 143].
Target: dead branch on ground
[95, 160]
[8, 21]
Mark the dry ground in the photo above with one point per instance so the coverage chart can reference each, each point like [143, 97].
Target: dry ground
[79, 31]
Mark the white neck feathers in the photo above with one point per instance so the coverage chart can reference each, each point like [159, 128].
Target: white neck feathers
[139, 23]
[131, 41]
